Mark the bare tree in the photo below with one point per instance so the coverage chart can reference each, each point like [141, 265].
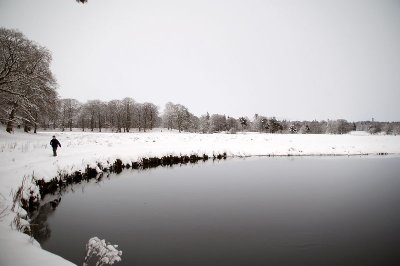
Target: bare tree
[340, 126]
[232, 124]
[244, 122]
[27, 86]
[274, 125]
[260, 124]
[70, 112]
[169, 116]
[93, 114]
[182, 117]
[217, 123]
[128, 108]
[150, 114]
[115, 109]
[153, 115]
[138, 116]
[204, 123]
[194, 124]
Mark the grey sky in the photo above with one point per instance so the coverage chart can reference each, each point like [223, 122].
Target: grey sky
[291, 59]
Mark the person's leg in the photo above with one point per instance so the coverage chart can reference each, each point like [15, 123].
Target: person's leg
[54, 151]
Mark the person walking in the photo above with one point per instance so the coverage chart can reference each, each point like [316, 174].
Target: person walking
[55, 143]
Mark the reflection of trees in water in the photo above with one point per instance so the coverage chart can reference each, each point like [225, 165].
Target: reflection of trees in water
[39, 226]
[38, 219]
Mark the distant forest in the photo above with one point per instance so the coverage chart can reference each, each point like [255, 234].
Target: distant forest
[29, 100]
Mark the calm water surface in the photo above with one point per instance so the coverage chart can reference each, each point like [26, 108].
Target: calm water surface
[260, 211]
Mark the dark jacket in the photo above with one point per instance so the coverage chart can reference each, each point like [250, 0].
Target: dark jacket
[54, 143]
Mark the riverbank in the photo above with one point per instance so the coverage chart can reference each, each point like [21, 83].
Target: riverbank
[30, 155]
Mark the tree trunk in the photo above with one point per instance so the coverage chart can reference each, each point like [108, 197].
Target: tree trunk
[10, 121]
[91, 123]
[99, 118]
[83, 124]
[151, 120]
[26, 127]
[35, 123]
[62, 125]
[139, 122]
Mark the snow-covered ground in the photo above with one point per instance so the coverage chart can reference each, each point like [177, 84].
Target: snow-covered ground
[23, 154]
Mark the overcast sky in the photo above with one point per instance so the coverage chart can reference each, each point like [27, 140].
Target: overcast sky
[310, 59]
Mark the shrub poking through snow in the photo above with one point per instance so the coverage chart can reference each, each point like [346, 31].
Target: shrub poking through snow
[27, 195]
[105, 252]
[25, 198]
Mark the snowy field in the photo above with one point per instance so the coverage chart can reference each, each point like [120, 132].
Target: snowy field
[23, 154]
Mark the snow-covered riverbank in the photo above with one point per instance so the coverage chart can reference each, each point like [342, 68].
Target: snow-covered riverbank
[24, 154]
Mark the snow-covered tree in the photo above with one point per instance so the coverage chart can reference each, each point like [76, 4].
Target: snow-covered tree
[217, 123]
[260, 124]
[390, 128]
[137, 116]
[150, 114]
[305, 128]
[396, 128]
[182, 116]
[176, 116]
[317, 127]
[204, 123]
[232, 124]
[128, 105]
[243, 122]
[50, 115]
[92, 115]
[27, 85]
[194, 125]
[168, 116]
[69, 113]
[340, 126]
[274, 125]
[375, 128]
[115, 110]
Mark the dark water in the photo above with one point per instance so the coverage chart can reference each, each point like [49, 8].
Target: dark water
[263, 211]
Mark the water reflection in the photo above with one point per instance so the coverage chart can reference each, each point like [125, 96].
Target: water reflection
[269, 211]
[40, 228]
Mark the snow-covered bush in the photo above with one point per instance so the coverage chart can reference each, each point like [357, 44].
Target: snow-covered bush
[105, 252]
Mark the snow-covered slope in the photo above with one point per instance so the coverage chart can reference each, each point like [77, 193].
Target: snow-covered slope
[23, 154]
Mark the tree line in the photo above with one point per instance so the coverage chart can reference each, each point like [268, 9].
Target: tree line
[118, 115]
[29, 99]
